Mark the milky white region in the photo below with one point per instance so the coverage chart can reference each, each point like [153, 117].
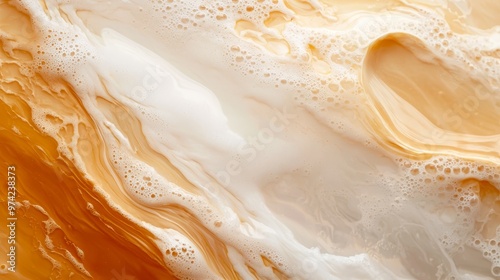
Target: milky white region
[253, 139]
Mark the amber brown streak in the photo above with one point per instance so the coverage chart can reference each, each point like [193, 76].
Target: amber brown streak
[211, 246]
[109, 241]
[131, 127]
[101, 224]
[170, 216]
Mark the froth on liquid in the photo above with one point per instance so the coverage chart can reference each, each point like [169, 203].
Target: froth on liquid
[273, 139]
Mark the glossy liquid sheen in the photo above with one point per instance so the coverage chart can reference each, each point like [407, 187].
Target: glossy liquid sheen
[269, 139]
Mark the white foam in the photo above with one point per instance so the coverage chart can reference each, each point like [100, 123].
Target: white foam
[271, 122]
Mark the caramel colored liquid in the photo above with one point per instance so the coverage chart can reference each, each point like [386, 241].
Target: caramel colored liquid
[273, 139]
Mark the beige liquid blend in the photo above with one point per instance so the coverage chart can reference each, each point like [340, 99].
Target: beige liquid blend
[250, 139]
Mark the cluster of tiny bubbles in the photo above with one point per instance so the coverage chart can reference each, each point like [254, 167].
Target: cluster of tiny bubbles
[182, 251]
[61, 51]
[145, 185]
[174, 16]
[325, 84]
[180, 254]
[490, 249]
[460, 189]
[140, 180]
[150, 189]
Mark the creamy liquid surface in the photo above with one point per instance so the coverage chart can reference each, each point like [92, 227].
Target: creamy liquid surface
[268, 139]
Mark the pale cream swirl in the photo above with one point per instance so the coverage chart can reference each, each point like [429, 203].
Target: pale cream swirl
[243, 139]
